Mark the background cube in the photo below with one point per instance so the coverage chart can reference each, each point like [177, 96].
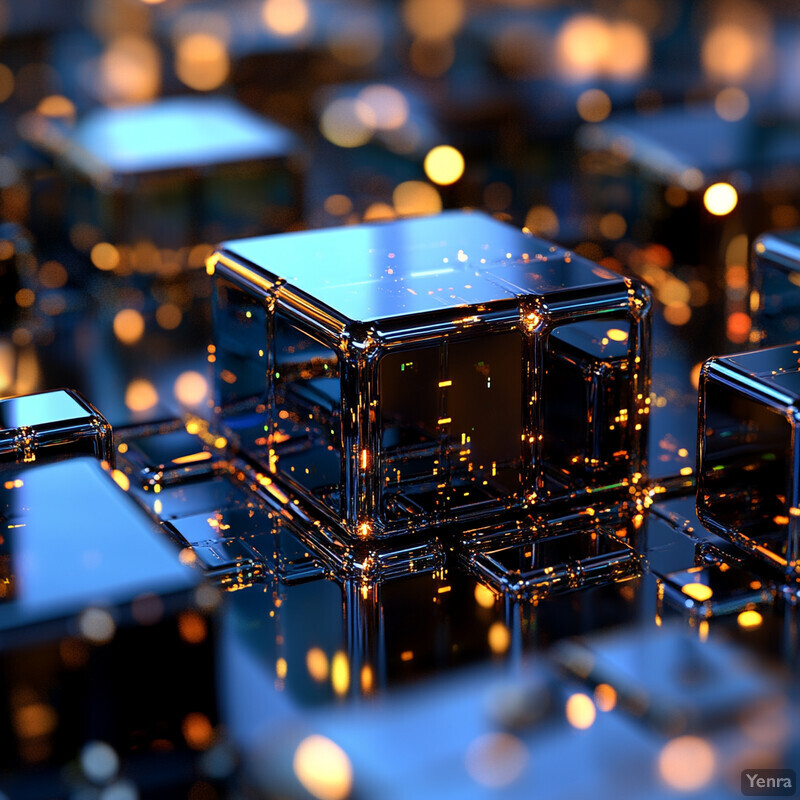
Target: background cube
[775, 294]
[50, 426]
[399, 374]
[177, 172]
[748, 485]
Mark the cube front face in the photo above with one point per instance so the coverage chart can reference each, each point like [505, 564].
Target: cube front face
[747, 487]
[451, 423]
[535, 391]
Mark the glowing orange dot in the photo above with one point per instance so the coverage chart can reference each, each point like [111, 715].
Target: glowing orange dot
[720, 199]
[128, 326]
[580, 711]
[687, 763]
[192, 627]
[191, 388]
[738, 326]
[198, 731]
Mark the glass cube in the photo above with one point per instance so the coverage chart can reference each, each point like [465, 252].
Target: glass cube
[556, 563]
[748, 487]
[410, 374]
[178, 172]
[51, 426]
[667, 678]
[775, 297]
[714, 588]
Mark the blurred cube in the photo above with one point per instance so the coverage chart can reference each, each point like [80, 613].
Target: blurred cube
[419, 372]
[748, 484]
[51, 426]
[668, 679]
[89, 583]
[179, 172]
[775, 298]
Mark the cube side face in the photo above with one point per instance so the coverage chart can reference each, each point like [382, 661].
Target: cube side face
[775, 299]
[278, 390]
[242, 364]
[595, 403]
[747, 470]
[178, 209]
[451, 417]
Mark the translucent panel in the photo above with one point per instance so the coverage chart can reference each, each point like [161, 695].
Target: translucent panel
[485, 404]
[589, 409]
[715, 589]
[305, 408]
[746, 477]
[414, 457]
[240, 366]
[451, 423]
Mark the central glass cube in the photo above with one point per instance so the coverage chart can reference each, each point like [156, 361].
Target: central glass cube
[407, 375]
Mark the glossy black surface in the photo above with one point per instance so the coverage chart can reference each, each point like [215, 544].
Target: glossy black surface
[747, 468]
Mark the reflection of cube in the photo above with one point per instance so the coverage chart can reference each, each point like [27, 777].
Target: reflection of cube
[424, 371]
[51, 426]
[180, 171]
[776, 287]
[748, 486]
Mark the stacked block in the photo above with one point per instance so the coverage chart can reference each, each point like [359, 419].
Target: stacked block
[748, 486]
[412, 374]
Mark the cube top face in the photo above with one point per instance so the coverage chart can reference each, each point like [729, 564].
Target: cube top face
[377, 272]
[48, 542]
[397, 405]
[773, 371]
[47, 408]
[173, 134]
[52, 426]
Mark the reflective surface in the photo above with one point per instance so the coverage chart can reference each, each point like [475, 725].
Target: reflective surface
[50, 426]
[748, 478]
[402, 402]
[211, 630]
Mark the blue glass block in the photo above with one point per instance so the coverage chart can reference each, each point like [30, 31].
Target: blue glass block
[748, 485]
[51, 426]
[775, 297]
[179, 171]
[74, 539]
[547, 565]
[667, 678]
[407, 375]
